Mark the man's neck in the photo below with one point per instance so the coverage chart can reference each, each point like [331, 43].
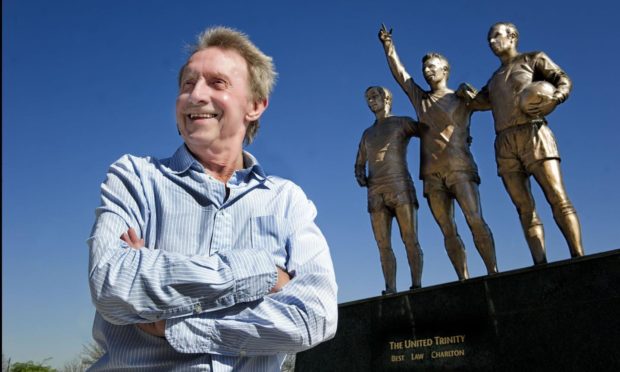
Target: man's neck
[220, 163]
[507, 57]
[440, 87]
[382, 115]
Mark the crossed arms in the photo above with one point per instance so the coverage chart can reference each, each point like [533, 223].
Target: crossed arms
[205, 304]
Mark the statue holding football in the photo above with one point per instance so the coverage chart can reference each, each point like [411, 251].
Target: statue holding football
[521, 93]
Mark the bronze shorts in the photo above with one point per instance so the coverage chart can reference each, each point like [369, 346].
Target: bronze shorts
[438, 182]
[388, 201]
[518, 149]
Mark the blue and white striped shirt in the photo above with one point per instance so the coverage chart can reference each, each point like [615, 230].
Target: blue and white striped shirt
[207, 267]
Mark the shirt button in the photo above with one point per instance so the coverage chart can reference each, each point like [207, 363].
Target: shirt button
[242, 353]
[197, 309]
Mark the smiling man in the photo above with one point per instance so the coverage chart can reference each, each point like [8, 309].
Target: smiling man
[447, 166]
[202, 261]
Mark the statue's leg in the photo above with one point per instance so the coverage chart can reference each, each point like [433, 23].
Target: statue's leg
[406, 215]
[442, 207]
[468, 198]
[382, 228]
[549, 177]
[518, 186]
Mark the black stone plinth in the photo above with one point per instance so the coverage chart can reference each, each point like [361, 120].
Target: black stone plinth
[562, 316]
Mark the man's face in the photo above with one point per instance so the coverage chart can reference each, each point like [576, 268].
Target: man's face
[214, 104]
[375, 100]
[434, 70]
[500, 40]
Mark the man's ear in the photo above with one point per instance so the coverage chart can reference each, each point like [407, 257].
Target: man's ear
[513, 36]
[256, 110]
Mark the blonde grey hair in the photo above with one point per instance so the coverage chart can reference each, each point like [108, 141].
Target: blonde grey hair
[261, 70]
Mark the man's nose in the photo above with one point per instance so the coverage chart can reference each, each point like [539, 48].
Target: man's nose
[200, 93]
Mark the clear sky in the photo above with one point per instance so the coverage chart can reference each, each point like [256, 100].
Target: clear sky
[84, 82]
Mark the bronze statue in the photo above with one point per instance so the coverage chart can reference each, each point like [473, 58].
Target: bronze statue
[390, 188]
[524, 144]
[447, 167]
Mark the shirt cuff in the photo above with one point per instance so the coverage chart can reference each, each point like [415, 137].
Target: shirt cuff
[254, 272]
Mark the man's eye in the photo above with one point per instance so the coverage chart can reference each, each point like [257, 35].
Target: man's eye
[187, 86]
[219, 83]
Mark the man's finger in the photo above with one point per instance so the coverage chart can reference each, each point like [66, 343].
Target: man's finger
[132, 235]
[131, 238]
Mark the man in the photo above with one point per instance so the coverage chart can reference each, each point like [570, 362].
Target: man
[201, 261]
[390, 189]
[525, 145]
[447, 167]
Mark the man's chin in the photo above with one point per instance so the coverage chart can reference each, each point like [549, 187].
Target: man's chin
[197, 140]
[496, 51]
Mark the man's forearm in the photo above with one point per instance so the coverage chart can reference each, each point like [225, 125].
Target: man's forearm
[282, 322]
[300, 316]
[396, 66]
[135, 286]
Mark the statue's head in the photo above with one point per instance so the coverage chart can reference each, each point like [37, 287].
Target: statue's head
[378, 98]
[503, 36]
[435, 68]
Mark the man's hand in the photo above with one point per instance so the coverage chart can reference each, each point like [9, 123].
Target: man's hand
[384, 35]
[542, 106]
[157, 329]
[360, 175]
[466, 91]
[283, 278]
[362, 181]
[131, 238]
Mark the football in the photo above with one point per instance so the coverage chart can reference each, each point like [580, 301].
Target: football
[532, 93]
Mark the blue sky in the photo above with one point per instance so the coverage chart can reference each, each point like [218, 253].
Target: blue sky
[85, 82]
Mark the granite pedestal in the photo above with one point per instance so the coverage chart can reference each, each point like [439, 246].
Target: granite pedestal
[562, 316]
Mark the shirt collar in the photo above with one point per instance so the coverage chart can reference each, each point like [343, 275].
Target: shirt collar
[251, 168]
[182, 160]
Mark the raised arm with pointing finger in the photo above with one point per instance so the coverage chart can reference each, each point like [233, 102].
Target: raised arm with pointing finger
[447, 165]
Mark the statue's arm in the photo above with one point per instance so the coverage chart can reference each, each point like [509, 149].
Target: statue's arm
[413, 127]
[475, 100]
[555, 75]
[398, 69]
[360, 164]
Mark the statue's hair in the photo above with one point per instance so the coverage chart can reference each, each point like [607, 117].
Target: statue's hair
[261, 70]
[385, 93]
[512, 29]
[430, 55]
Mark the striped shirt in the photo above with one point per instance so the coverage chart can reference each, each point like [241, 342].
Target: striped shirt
[207, 268]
